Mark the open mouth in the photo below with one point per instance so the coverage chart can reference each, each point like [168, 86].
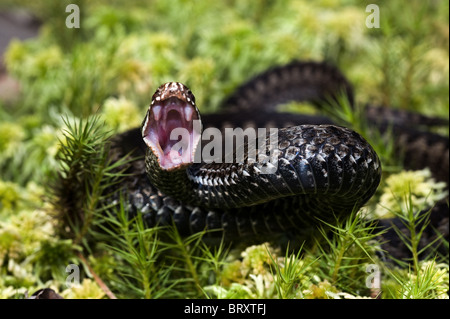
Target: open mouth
[169, 129]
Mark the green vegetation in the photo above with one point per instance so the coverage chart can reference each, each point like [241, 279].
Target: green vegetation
[80, 86]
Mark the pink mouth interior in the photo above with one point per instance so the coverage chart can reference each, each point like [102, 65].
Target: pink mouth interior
[162, 118]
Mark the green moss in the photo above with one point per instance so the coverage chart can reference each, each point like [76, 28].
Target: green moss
[424, 190]
[9, 195]
[88, 289]
[111, 66]
[12, 135]
[121, 114]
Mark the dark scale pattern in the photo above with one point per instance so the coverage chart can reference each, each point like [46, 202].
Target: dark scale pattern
[322, 169]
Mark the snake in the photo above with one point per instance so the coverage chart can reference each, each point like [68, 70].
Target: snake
[322, 171]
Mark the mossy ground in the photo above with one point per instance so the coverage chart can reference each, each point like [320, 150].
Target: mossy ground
[110, 66]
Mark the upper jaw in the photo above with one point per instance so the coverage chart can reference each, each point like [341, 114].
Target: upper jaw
[160, 110]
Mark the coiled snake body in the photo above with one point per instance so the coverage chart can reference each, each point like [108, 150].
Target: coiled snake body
[323, 170]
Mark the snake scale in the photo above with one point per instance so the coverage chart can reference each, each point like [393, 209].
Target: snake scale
[323, 171]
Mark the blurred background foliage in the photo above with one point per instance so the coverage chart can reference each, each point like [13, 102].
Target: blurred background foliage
[124, 50]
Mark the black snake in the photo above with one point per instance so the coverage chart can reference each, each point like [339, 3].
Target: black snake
[323, 170]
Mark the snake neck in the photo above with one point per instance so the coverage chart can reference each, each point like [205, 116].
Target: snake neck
[173, 182]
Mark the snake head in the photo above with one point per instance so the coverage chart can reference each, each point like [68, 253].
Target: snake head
[172, 127]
